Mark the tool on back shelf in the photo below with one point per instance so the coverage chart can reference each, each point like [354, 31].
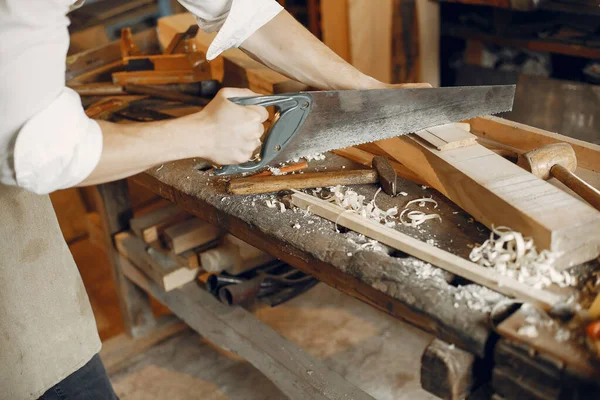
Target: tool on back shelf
[558, 160]
[273, 283]
[307, 123]
[180, 63]
[206, 89]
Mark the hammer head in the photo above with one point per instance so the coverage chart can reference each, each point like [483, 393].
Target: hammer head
[541, 160]
[388, 179]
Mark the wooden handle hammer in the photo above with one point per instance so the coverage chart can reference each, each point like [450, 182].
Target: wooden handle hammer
[382, 172]
[558, 160]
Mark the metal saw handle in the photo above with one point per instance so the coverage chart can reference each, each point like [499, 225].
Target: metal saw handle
[292, 110]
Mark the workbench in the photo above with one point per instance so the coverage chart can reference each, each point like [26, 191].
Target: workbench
[468, 353]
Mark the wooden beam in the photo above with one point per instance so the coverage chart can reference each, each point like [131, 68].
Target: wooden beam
[428, 15]
[525, 138]
[496, 192]
[117, 352]
[164, 270]
[151, 225]
[448, 372]
[335, 28]
[447, 137]
[370, 27]
[298, 375]
[114, 207]
[434, 255]
[405, 42]
[189, 234]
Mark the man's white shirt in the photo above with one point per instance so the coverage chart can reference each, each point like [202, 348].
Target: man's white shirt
[46, 140]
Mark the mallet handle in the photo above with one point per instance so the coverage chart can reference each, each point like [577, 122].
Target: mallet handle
[578, 185]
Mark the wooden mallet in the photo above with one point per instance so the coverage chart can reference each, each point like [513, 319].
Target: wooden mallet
[558, 160]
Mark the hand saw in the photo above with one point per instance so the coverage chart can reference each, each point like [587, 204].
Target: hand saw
[308, 123]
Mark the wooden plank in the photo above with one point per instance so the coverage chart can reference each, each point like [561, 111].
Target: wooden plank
[70, 212]
[405, 42]
[527, 138]
[297, 374]
[428, 15]
[189, 234]
[448, 372]
[436, 256]
[496, 192]
[119, 350]
[334, 25]
[269, 184]
[447, 137]
[370, 27]
[95, 230]
[233, 256]
[151, 225]
[164, 270]
[365, 158]
[115, 208]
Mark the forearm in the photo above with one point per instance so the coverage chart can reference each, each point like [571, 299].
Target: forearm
[223, 133]
[284, 45]
[128, 149]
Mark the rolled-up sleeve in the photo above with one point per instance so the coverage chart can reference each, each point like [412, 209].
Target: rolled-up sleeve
[235, 20]
[46, 140]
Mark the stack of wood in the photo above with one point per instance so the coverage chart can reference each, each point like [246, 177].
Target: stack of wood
[169, 245]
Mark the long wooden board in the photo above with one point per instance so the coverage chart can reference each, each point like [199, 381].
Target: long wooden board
[525, 138]
[496, 192]
[297, 374]
[426, 252]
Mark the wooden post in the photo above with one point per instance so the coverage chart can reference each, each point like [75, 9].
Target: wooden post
[447, 371]
[115, 209]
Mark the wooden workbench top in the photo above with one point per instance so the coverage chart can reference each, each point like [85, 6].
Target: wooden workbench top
[400, 285]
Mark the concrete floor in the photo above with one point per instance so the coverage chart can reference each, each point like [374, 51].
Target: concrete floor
[377, 353]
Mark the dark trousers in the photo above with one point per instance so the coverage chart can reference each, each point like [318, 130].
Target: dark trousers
[90, 382]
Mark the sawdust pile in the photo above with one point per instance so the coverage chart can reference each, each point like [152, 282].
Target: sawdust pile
[515, 256]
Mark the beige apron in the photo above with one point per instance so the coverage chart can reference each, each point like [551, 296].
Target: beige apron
[47, 329]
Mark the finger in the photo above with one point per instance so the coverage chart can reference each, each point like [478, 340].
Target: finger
[237, 92]
[260, 111]
[413, 85]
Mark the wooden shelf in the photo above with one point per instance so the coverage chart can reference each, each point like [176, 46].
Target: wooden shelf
[530, 44]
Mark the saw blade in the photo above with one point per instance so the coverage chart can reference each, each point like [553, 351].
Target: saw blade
[339, 119]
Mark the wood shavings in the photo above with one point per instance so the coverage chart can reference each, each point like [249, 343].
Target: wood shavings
[276, 171]
[515, 256]
[477, 297]
[351, 201]
[317, 156]
[415, 218]
[528, 331]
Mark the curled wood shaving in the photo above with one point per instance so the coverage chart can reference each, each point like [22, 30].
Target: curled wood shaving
[415, 218]
[515, 256]
[351, 201]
